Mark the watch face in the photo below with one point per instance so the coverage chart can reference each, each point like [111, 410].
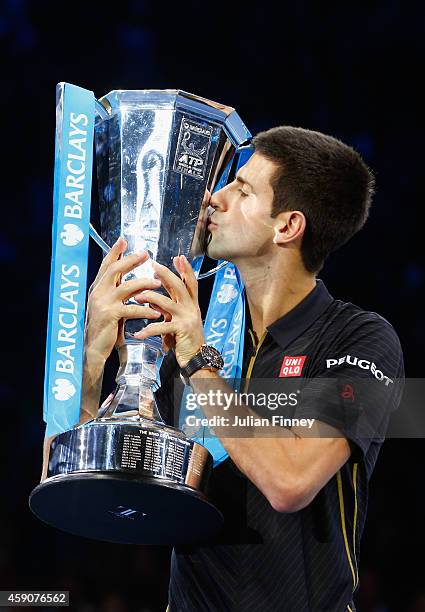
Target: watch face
[212, 357]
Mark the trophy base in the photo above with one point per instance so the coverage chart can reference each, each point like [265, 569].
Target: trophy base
[150, 511]
[128, 480]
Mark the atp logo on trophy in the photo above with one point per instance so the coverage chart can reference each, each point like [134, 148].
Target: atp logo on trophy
[71, 234]
[192, 148]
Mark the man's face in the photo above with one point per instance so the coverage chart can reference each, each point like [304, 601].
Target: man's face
[241, 225]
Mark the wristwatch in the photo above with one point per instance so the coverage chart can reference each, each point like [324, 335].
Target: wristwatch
[206, 357]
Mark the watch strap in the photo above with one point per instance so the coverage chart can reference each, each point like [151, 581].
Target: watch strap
[196, 363]
[201, 360]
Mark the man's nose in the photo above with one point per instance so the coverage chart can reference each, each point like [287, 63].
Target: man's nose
[219, 200]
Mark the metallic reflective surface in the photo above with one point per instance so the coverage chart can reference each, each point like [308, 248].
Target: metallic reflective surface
[141, 449]
[157, 155]
[126, 476]
[128, 482]
[136, 382]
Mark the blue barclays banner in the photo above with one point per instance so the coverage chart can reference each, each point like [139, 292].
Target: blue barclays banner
[75, 114]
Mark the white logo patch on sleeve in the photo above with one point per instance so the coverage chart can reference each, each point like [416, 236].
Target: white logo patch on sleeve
[364, 364]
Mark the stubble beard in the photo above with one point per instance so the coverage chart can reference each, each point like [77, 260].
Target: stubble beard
[214, 250]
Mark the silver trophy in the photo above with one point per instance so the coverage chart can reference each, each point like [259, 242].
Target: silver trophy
[127, 476]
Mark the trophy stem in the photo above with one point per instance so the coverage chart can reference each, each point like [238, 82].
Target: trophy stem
[136, 382]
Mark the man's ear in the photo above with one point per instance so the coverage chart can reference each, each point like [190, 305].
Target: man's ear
[289, 226]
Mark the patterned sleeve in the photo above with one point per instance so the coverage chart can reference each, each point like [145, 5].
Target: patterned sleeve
[357, 384]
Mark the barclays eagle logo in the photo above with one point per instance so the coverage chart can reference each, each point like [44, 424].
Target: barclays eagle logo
[71, 234]
[63, 389]
[226, 294]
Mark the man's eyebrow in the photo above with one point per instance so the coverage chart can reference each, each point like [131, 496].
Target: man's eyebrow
[240, 179]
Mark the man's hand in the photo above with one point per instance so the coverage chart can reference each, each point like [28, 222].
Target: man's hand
[106, 309]
[182, 323]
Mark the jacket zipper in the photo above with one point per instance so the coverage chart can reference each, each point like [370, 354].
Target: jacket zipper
[253, 357]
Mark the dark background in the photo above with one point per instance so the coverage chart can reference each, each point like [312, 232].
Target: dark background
[352, 71]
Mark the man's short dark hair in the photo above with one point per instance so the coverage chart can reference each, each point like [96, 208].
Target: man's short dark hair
[323, 178]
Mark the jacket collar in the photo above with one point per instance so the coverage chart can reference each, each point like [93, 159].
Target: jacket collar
[286, 329]
[296, 321]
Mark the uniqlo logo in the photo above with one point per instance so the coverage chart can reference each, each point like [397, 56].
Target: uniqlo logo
[292, 366]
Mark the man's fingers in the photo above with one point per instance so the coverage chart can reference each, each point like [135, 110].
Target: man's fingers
[124, 265]
[114, 254]
[187, 275]
[172, 283]
[133, 287]
[132, 311]
[157, 299]
[114, 272]
[156, 329]
[167, 316]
